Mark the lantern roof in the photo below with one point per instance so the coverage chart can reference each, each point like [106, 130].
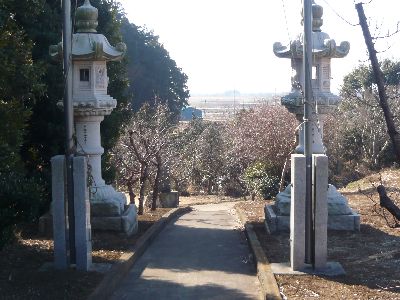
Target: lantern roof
[322, 44]
[87, 44]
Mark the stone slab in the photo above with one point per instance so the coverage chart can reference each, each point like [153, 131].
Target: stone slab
[126, 224]
[332, 269]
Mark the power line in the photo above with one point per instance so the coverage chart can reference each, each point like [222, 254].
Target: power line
[330, 6]
[287, 26]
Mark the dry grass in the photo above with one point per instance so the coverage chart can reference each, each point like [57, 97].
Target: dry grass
[371, 257]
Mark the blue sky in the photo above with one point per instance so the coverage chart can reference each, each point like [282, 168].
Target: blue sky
[227, 44]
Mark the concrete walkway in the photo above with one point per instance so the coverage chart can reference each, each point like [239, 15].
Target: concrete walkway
[199, 256]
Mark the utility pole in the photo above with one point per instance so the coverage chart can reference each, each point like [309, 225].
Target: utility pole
[69, 123]
[308, 111]
[391, 127]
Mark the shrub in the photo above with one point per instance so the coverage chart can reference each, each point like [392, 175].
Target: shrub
[261, 180]
[22, 200]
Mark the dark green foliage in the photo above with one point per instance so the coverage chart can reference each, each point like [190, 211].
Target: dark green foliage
[31, 85]
[13, 116]
[21, 199]
[152, 73]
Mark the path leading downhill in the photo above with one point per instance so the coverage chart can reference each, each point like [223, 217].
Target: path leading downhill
[201, 255]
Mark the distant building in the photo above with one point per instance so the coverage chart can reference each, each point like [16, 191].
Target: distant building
[190, 112]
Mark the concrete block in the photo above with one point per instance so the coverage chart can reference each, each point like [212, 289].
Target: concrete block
[83, 242]
[170, 199]
[297, 212]
[320, 181]
[60, 225]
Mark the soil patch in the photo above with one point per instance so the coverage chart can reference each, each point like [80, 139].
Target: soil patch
[371, 258]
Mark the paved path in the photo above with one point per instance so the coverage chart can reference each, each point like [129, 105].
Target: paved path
[199, 256]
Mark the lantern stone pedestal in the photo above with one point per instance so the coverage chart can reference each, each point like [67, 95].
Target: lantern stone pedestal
[340, 215]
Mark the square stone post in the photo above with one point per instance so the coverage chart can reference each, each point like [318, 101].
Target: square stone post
[60, 224]
[320, 182]
[83, 239]
[297, 212]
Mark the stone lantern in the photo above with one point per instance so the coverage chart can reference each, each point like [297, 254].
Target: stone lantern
[90, 53]
[341, 217]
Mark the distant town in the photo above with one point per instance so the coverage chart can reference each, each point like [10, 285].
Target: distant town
[220, 107]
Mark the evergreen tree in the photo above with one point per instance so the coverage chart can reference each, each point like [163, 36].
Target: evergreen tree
[152, 72]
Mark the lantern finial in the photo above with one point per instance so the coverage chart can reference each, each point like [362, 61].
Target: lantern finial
[86, 18]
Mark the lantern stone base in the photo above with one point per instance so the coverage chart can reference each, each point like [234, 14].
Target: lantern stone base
[110, 211]
[126, 223]
[340, 215]
[275, 222]
[337, 203]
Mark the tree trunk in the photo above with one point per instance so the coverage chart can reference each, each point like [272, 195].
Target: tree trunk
[156, 185]
[209, 187]
[387, 203]
[131, 192]
[391, 127]
[143, 178]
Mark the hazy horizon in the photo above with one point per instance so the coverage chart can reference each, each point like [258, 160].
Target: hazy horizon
[227, 44]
